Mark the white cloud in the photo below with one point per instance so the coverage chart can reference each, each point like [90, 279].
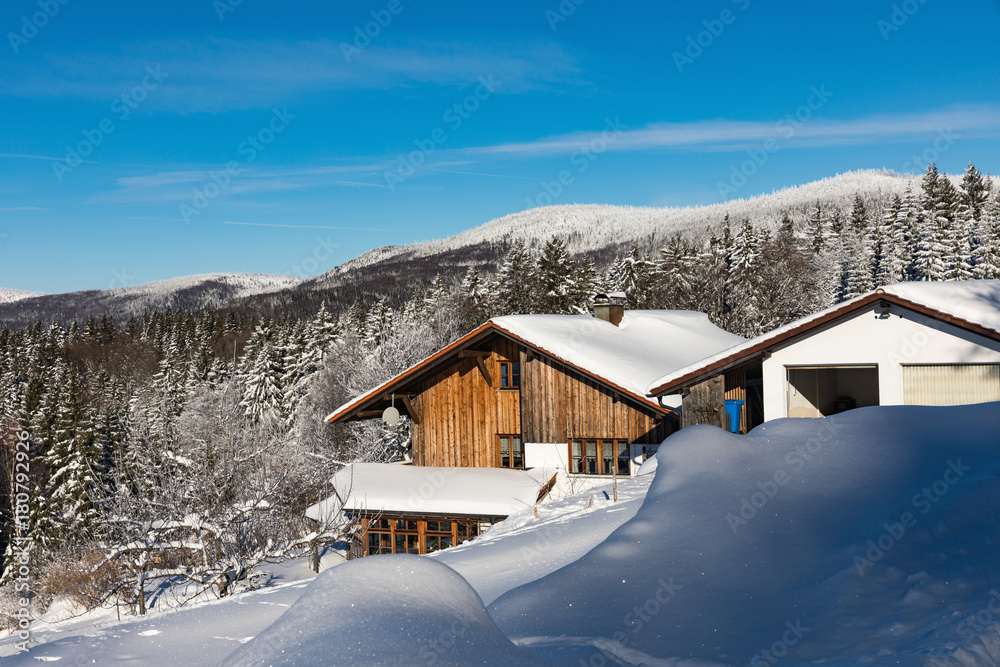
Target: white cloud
[216, 75]
[724, 135]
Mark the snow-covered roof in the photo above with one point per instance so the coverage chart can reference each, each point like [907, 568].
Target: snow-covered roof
[644, 346]
[975, 302]
[427, 490]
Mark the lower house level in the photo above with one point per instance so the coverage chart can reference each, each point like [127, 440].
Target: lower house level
[403, 508]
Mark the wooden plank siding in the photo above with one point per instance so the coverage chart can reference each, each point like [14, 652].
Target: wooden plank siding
[562, 404]
[705, 404]
[736, 389]
[461, 415]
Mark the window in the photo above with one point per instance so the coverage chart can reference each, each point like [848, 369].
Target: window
[413, 536]
[511, 451]
[599, 457]
[510, 375]
[438, 536]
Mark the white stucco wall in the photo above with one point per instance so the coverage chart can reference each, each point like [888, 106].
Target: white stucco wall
[905, 337]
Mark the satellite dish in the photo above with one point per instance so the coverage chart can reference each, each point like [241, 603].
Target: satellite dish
[390, 416]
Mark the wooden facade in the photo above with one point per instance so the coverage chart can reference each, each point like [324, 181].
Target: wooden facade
[705, 401]
[459, 409]
[462, 410]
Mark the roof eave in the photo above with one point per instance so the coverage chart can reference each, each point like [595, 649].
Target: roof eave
[677, 385]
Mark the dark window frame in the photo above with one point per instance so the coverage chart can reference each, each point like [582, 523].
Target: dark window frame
[589, 456]
[510, 375]
[510, 455]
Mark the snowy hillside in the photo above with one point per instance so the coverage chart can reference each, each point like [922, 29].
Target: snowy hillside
[12, 295]
[194, 292]
[240, 285]
[866, 538]
[588, 227]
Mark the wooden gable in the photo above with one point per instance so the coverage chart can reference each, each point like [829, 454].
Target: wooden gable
[459, 411]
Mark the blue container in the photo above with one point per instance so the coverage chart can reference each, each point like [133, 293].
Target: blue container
[734, 409]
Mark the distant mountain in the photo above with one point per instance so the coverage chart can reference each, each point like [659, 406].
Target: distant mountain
[12, 295]
[212, 290]
[589, 228]
[600, 231]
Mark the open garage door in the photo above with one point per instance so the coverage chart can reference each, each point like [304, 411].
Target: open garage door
[819, 391]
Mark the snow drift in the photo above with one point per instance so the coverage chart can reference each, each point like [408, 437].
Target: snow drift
[866, 538]
[384, 610]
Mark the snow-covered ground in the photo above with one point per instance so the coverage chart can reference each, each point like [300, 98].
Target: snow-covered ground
[869, 538]
[200, 633]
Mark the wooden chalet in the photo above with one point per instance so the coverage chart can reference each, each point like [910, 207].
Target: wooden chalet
[559, 393]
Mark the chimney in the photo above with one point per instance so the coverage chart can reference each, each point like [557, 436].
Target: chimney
[610, 308]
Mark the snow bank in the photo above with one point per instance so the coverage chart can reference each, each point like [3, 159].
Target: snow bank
[384, 610]
[525, 546]
[867, 538]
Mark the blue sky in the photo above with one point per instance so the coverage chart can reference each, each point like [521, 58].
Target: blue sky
[146, 142]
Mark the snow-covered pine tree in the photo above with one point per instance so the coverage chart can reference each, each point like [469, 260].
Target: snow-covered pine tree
[819, 228]
[935, 245]
[261, 388]
[986, 257]
[634, 274]
[556, 278]
[587, 283]
[514, 290]
[859, 220]
[70, 462]
[893, 240]
[975, 191]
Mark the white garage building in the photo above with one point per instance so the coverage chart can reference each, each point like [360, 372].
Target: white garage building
[905, 344]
